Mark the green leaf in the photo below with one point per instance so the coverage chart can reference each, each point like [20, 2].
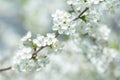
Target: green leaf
[51, 46]
[34, 46]
[84, 18]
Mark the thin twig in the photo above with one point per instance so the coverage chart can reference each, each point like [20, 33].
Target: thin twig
[34, 55]
[5, 69]
[79, 16]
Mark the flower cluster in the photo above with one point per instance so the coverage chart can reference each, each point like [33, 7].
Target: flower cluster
[93, 34]
[23, 60]
[44, 41]
[63, 22]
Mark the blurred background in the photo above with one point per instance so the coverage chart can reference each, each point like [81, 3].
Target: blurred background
[20, 16]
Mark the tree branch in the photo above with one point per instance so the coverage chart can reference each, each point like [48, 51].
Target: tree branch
[79, 16]
[5, 69]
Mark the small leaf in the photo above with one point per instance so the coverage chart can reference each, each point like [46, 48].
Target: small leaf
[51, 46]
[34, 46]
[84, 18]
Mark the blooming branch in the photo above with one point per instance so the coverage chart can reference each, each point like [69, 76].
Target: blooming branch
[92, 37]
[35, 41]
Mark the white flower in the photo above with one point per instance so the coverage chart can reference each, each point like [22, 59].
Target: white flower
[63, 22]
[101, 66]
[39, 41]
[22, 60]
[69, 2]
[95, 1]
[57, 47]
[24, 52]
[26, 65]
[50, 39]
[104, 32]
[27, 37]
[42, 60]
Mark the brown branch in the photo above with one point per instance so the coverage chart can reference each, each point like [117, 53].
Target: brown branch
[34, 55]
[79, 16]
[5, 69]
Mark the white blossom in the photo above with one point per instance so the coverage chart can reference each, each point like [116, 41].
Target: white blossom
[50, 39]
[26, 65]
[42, 60]
[63, 23]
[39, 41]
[95, 1]
[104, 32]
[27, 37]
[22, 60]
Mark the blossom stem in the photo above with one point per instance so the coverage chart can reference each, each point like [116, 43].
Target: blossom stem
[79, 16]
[5, 69]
